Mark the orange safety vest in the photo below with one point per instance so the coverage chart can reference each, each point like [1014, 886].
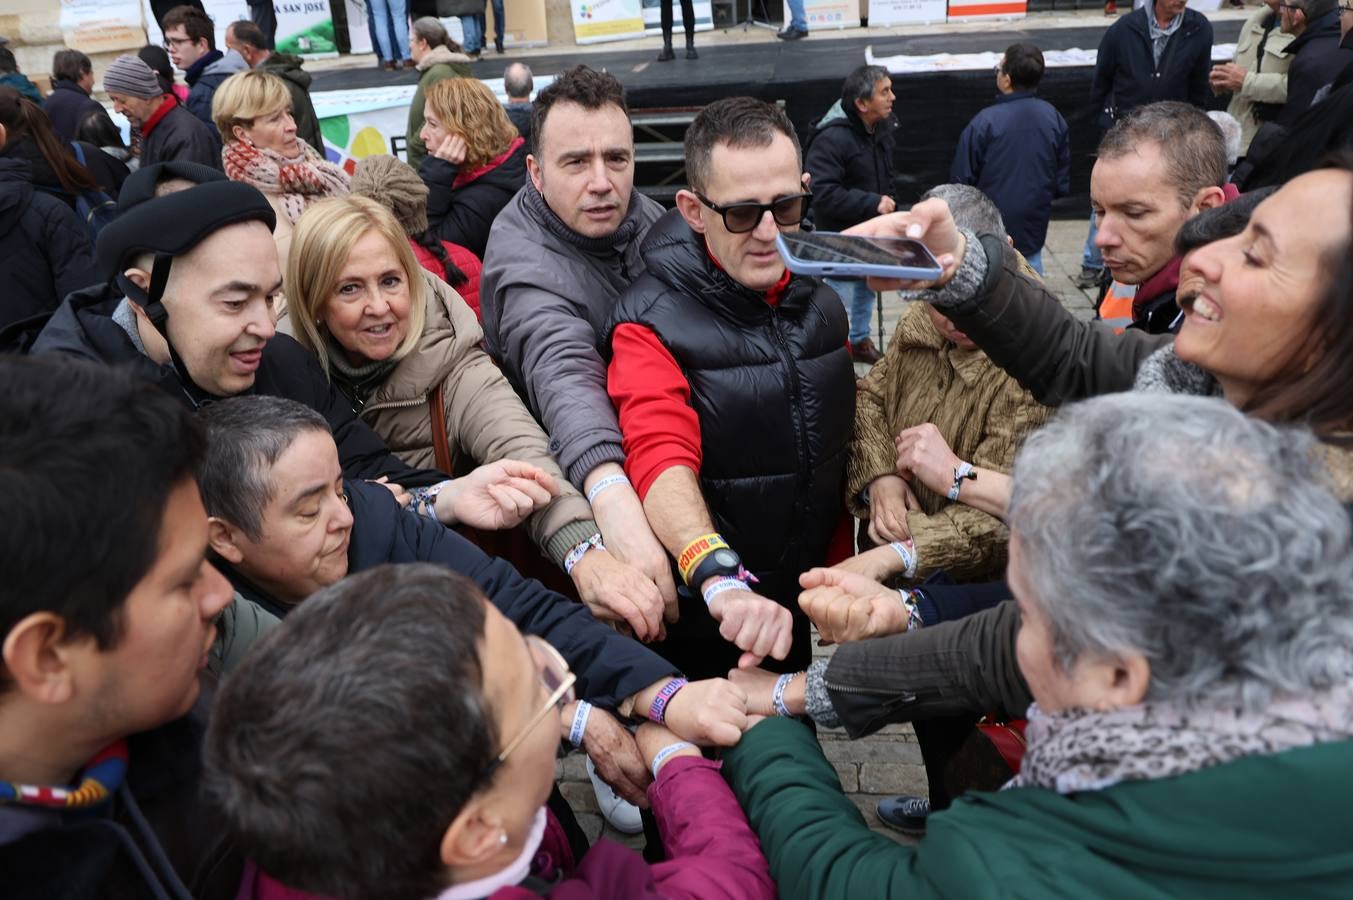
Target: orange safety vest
[1116, 307]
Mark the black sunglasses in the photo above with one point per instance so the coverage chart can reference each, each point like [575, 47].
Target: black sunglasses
[739, 218]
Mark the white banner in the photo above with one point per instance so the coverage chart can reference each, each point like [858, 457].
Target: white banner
[359, 35]
[102, 26]
[595, 21]
[704, 16]
[906, 12]
[826, 14]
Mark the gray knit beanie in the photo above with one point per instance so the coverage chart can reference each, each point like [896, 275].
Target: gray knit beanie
[396, 186]
[130, 76]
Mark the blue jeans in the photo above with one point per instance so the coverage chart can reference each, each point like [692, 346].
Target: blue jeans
[1036, 261]
[473, 26]
[1090, 258]
[498, 19]
[859, 303]
[389, 24]
[797, 19]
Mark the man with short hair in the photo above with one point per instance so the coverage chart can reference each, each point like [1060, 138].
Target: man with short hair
[1017, 152]
[1315, 52]
[107, 612]
[10, 76]
[850, 159]
[69, 105]
[1156, 169]
[284, 523]
[558, 256]
[246, 39]
[519, 85]
[168, 130]
[1159, 51]
[735, 394]
[190, 38]
[193, 313]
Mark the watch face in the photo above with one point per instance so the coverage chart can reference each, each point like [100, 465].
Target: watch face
[726, 558]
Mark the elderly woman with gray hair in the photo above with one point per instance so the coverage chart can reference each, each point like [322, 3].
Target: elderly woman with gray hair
[1185, 579]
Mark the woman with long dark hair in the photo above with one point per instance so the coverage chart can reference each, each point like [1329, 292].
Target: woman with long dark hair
[54, 168]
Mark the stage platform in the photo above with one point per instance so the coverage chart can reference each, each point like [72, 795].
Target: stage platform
[933, 106]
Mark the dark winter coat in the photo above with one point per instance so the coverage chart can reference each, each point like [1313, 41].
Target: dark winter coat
[463, 212]
[609, 666]
[1317, 59]
[1126, 74]
[204, 77]
[68, 106]
[109, 173]
[852, 170]
[157, 820]
[287, 67]
[180, 135]
[45, 252]
[774, 391]
[1017, 152]
[83, 326]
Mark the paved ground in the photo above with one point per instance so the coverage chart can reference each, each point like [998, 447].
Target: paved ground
[888, 762]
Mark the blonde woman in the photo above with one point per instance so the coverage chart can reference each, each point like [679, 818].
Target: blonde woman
[404, 348]
[252, 110]
[476, 161]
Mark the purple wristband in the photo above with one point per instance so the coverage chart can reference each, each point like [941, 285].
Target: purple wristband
[658, 711]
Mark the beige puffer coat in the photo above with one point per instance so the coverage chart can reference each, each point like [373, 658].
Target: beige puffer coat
[982, 412]
[485, 419]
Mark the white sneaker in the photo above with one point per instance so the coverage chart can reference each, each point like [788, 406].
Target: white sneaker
[623, 815]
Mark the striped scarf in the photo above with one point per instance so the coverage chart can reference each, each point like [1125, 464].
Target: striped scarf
[298, 180]
[99, 780]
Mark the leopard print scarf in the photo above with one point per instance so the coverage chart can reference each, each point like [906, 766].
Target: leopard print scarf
[1088, 751]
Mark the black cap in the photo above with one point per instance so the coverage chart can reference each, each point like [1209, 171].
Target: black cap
[140, 185]
[175, 223]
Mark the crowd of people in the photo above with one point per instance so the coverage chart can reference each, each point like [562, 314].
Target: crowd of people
[339, 505]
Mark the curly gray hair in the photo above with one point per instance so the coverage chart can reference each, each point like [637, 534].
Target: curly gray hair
[1180, 529]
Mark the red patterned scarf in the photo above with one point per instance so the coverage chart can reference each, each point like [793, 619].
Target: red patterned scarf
[298, 180]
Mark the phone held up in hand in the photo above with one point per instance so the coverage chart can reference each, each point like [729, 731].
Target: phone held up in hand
[828, 254]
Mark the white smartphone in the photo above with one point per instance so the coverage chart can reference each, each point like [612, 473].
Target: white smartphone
[830, 254]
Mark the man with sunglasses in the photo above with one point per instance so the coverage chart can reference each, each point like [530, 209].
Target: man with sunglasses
[736, 395]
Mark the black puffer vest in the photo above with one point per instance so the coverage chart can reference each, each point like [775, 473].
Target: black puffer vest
[774, 389]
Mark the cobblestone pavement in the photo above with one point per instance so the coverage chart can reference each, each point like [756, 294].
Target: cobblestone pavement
[888, 762]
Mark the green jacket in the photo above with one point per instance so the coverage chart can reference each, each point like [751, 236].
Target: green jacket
[1262, 827]
[288, 68]
[438, 65]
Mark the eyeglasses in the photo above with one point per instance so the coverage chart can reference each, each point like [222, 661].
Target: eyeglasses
[558, 680]
[1344, 9]
[171, 43]
[740, 218]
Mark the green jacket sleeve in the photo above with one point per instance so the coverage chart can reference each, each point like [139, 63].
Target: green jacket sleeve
[816, 841]
[413, 144]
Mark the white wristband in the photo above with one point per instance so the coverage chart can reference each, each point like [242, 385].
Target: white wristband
[667, 751]
[963, 471]
[906, 550]
[577, 553]
[723, 584]
[603, 484]
[575, 734]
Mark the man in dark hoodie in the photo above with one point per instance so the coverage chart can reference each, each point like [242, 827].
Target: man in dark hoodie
[1316, 54]
[850, 159]
[107, 611]
[190, 36]
[246, 39]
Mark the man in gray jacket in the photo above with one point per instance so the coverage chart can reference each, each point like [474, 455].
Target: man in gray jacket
[558, 256]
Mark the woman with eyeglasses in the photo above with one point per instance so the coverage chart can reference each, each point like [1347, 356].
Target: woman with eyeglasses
[415, 760]
[475, 163]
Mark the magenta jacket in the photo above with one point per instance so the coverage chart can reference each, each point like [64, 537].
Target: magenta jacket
[712, 853]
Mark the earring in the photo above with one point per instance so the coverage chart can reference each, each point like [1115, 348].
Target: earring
[502, 838]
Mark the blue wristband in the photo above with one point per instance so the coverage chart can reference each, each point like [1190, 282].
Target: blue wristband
[575, 733]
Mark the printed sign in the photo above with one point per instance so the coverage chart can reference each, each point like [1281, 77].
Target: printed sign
[606, 20]
[907, 12]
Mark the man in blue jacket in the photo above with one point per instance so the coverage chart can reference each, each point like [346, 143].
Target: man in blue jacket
[1160, 51]
[284, 522]
[190, 38]
[1016, 152]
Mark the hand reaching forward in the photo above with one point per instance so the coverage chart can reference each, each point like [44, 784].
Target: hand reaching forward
[496, 495]
[616, 592]
[929, 222]
[849, 607]
[759, 626]
[712, 712]
[613, 751]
